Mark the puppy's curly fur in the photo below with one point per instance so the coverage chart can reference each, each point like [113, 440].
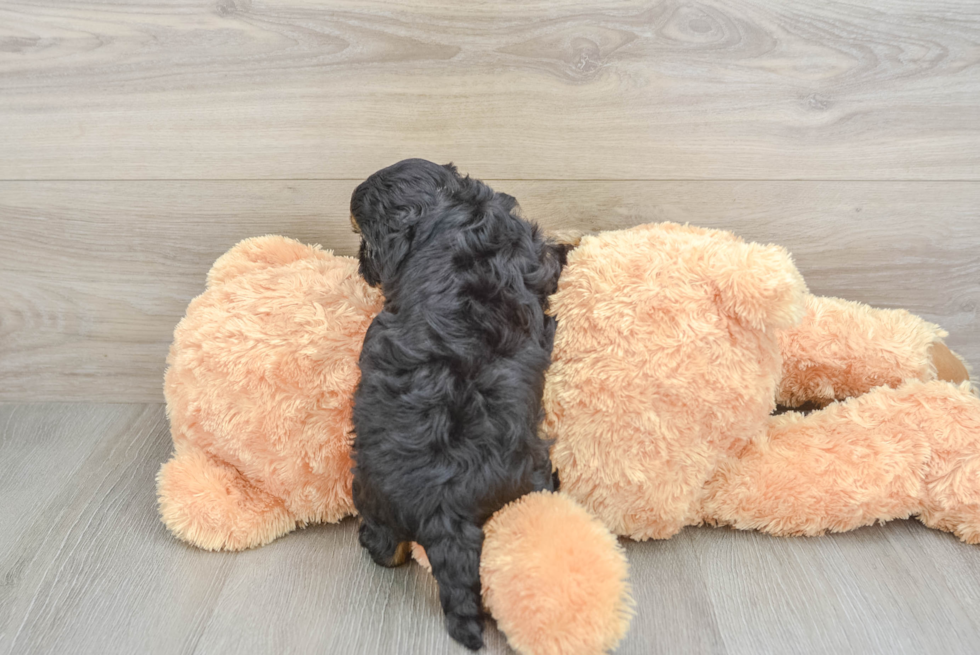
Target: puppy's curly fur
[452, 371]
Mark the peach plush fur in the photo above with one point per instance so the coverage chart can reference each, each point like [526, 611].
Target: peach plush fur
[674, 344]
[553, 576]
[258, 389]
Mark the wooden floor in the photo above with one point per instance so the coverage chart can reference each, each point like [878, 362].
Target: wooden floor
[86, 567]
[140, 139]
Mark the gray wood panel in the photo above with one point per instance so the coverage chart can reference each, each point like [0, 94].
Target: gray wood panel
[94, 570]
[846, 132]
[579, 89]
[86, 567]
[94, 275]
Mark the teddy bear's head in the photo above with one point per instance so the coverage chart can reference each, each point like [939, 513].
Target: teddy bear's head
[258, 386]
[665, 359]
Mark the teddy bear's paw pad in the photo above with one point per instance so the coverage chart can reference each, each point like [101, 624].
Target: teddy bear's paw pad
[418, 554]
[950, 367]
[213, 507]
[555, 578]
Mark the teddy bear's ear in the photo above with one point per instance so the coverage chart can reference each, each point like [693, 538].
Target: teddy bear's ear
[258, 253]
[760, 285]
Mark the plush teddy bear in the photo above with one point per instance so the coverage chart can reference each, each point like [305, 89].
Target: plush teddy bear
[673, 346]
[259, 384]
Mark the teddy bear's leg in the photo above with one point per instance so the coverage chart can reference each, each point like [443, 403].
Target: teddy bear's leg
[888, 454]
[843, 349]
[209, 504]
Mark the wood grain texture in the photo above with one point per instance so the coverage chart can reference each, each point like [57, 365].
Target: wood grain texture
[86, 566]
[578, 89]
[95, 275]
[883, 589]
[140, 140]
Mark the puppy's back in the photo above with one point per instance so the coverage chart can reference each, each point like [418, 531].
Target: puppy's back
[447, 410]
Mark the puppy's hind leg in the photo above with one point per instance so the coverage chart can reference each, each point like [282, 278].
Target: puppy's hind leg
[455, 560]
[382, 544]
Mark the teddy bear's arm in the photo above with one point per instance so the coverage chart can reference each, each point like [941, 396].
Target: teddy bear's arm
[209, 504]
[843, 349]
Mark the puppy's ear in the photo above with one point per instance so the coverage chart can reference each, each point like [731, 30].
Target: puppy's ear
[380, 258]
[543, 280]
[509, 203]
[561, 251]
[391, 207]
[368, 265]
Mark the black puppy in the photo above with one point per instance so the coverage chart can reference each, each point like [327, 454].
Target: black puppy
[452, 371]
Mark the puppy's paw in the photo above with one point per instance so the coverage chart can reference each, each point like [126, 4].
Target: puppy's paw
[382, 545]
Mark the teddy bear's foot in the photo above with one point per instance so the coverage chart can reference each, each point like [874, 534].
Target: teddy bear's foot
[963, 522]
[843, 349]
[952, 475]
[949, 366]
[210, 505]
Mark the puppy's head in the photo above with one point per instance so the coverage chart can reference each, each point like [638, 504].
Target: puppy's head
[388, 209]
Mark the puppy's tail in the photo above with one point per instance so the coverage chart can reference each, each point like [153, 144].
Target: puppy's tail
[455, 560]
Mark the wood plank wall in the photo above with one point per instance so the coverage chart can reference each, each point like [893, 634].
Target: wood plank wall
[139, 140]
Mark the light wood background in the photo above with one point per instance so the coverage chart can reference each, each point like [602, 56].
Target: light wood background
[141, 139]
